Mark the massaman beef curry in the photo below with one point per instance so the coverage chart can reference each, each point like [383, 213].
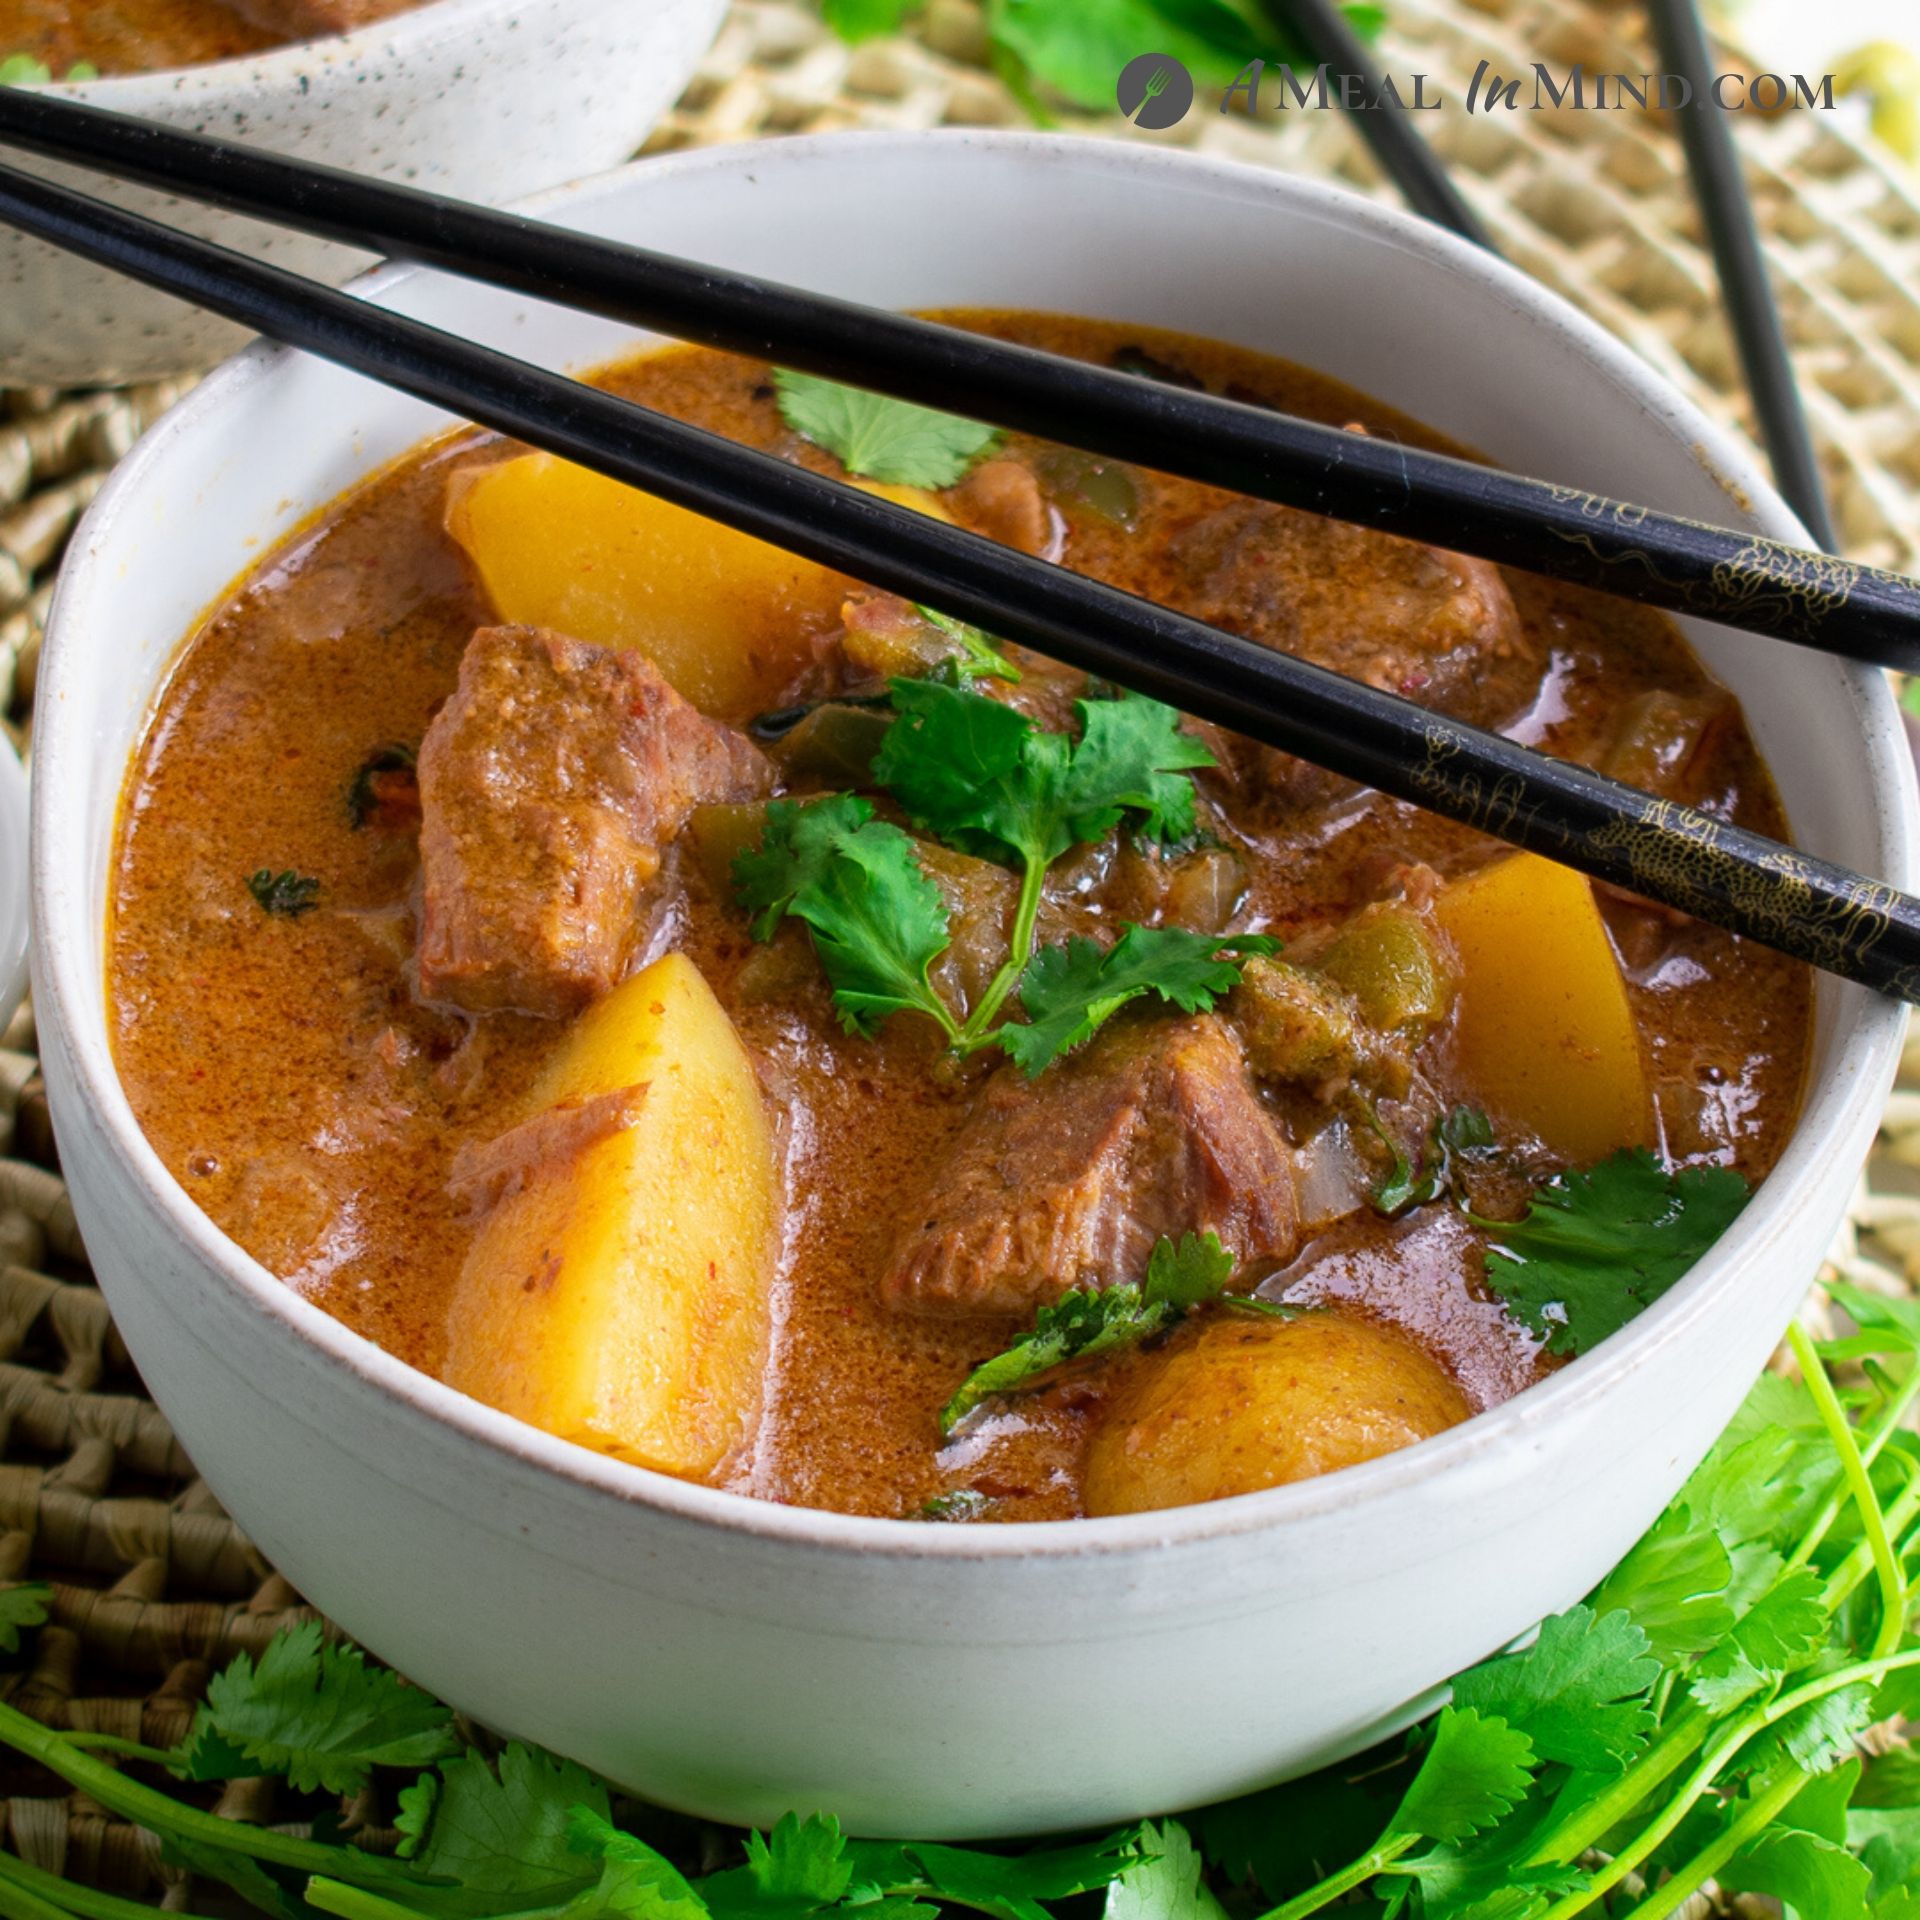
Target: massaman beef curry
[587, 951]
[151, 36]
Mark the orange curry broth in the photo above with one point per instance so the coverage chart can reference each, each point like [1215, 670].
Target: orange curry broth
[312, 1107]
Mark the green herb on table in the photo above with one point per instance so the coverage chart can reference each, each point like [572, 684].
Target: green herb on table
[984, 779]
[1696, 1721]
[22, 1608]
[286, 894]
[1594, 1248]
[1073, 50]
[878, 438]
[1181, 1275]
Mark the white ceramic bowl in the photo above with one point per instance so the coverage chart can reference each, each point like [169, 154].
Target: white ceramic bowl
[484, 99]
[740, 1659]
[13, 881]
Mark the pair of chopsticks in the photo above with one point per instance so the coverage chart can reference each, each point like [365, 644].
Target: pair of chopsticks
[1718, 185]
[1788, 900]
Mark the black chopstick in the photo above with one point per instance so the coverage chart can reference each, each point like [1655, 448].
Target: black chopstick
[1721, 189]
[1786, 899]
[1740, 579]
[1412, 165]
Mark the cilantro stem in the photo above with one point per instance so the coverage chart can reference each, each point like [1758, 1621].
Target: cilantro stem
[49, 1890]
[1026, 916]
[20, 1903]
[1885, 1424]
[1873, 1519]
[1761, 1812]
[155, 1811]
[126, 1749]
[1377, 1857]
[355, 1903]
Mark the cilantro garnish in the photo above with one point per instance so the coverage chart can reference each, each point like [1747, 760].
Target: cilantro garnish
[975, 656]
[879, 438]
[25, 70]
[1461, 1134]
[286, 894]
[1732, 1706]
[1594, 1248]
[384, 790]
[988, 782]
[878, 922]
[1181, 1275]
[1069, 991]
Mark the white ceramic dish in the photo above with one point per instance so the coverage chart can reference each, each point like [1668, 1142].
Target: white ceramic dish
[13, 881]
[484, 99]
[741, 1659]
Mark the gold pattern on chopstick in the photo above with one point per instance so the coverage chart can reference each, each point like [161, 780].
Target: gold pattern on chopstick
[1763, 583]
[1679, 856]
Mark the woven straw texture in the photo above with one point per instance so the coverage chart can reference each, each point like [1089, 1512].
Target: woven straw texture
[154, 1587]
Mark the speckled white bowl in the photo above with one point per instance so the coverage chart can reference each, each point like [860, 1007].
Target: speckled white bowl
[738, 1658]
[486, 99]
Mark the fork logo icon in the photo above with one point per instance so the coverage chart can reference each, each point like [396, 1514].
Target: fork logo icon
[1154, 91]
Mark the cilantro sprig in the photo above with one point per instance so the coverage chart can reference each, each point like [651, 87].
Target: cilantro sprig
[981, 777]
[1594, 1248]
[879, 438]
[1697, 1721]
[1181, 1275]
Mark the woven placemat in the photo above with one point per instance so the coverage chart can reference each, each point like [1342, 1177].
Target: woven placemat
[153, 1585]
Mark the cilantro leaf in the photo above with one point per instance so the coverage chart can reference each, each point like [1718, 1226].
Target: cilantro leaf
[317, 1714]
[802, 1860]
[1576, 1693]
[1284, 1838]
[505, 1828]
[878, 923]
[985, 779]
[635, 1881]
[1011, 1885]
[1673, 1586]
[857, 20]
[1165, 1883]
[1597, 1247]
[285, 895]
[1070, 991]
[1477, 1770]
[22, 1607]
[879, 438]
[1781, 1627]
[1089, 1321]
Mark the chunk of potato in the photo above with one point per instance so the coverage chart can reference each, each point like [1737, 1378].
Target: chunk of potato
[728, 619]
[1234, 1403]
[1543, 1030]
[617, 1292]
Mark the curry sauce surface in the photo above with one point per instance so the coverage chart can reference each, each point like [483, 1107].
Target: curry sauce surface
[312, 1107]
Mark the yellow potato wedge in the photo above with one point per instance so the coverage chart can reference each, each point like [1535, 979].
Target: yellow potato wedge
[616, 1293]
[1232, 1404]
[728, 619]
[1543, 1030]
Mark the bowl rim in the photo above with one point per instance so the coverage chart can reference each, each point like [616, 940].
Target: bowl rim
[1848, 1099]
[288, 63]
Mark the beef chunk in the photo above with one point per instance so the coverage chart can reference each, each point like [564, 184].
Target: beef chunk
[549, 784]
[1436, 627]
[1002, 499]
[1069, 1181]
